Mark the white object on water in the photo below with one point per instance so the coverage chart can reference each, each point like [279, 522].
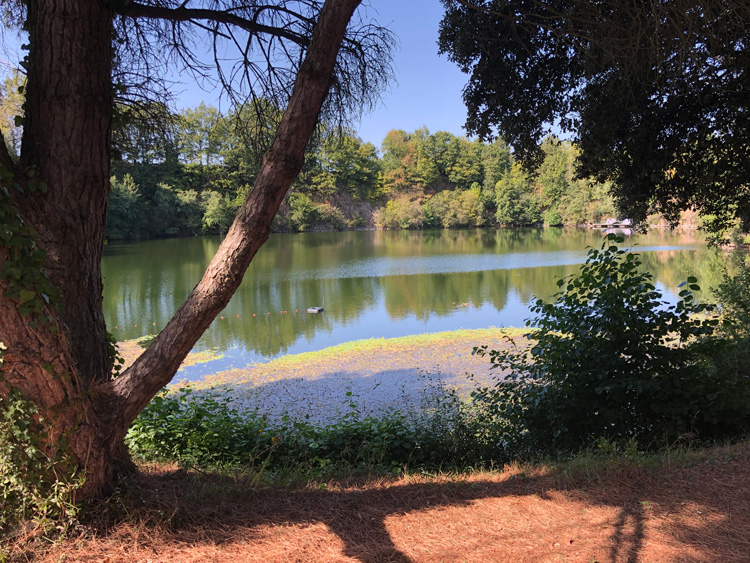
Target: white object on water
[315, 309]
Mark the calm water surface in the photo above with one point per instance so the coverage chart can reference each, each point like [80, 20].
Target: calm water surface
[371, 283]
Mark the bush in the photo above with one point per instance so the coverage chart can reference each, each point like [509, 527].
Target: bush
[302, 212]
[734, 294]
[202, 429]
[330, 216]
[124, 210]
[734, 360]
[305, 214]
[400, 213]
[609, 359]
[457, 208]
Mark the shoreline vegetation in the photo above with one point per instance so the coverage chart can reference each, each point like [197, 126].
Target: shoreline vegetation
[190, 179]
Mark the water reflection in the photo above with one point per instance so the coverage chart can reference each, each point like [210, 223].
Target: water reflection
[372, 283]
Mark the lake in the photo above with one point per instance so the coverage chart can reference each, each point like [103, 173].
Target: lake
[370, 283]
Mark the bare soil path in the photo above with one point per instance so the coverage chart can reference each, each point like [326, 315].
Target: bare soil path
[693, 511]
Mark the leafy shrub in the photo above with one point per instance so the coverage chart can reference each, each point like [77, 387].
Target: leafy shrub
[219, 212]
[302, 212]
[734, 360]
[357, 221]
[330, 216]
[174, 211]
[35, 486]
[454, 433]
[124, 210]
[389, 440]
[734, 294]
[457, 208]
[200, 428]
[609, 359]
[305, 214]
[552, 217]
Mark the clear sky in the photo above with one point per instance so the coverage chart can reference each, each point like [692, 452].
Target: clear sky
[429, 87]
[427, 91]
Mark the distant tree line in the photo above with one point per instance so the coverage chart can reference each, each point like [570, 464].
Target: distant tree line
[191, 175]
[440, 180]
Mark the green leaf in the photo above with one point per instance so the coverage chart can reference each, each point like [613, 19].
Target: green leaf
[26, 295]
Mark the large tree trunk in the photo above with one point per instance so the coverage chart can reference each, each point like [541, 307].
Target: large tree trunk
[66, 144]
[67, 139]
[65, 369]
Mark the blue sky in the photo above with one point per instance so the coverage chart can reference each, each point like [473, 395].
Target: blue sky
[429, 87]
[427, 91]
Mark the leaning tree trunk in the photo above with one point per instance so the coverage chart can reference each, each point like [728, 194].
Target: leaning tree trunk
[63, 365]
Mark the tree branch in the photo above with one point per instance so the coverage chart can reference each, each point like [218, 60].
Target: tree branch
[136, 10]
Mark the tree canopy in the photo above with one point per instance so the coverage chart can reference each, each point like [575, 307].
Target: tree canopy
[656, 94]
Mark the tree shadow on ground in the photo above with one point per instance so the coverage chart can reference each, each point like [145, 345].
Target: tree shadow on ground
[695, 512]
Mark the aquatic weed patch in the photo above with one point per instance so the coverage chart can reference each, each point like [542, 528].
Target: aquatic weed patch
[129, 350]
[378, 375]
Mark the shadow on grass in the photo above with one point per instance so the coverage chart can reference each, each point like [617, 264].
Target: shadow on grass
[694, 512]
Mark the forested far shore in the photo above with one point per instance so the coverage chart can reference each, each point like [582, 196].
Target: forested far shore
[192, 177]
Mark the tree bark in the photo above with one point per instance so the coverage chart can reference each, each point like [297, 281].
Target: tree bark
[66, 140]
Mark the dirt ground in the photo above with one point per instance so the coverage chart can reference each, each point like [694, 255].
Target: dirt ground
[678, 511]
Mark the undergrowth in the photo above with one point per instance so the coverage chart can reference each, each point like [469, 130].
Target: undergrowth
[203, 429]
[37, 487]
[608, 358]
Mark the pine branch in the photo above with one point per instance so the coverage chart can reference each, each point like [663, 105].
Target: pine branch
[136, 10]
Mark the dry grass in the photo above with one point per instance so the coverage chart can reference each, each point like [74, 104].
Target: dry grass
[698, 510]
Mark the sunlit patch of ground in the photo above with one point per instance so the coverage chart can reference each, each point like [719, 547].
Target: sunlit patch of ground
[695, 510]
